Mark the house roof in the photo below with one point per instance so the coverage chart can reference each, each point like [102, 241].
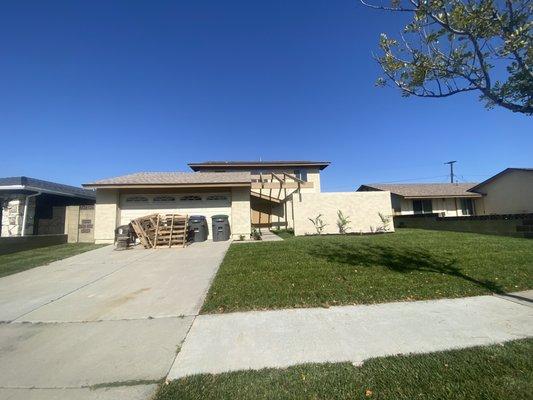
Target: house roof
[257, 164]
[424, 190]
[505, 171]
[140, 179]
[24, 183]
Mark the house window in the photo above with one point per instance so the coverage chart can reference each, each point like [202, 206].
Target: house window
[164, 199]
[215, 197]
[137, 199]
[422, 206]
[301, 174]
[467, 206]
[190, 198]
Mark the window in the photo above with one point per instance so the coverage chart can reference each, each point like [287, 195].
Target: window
[214, 197]
[422, 207]
[137, 199]
[190, 198]
[301, 174]
[467, 206]
[164, 199]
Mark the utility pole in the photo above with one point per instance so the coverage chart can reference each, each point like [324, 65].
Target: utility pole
[451, 169]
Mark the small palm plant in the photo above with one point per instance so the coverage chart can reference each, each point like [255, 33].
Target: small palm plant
[318, 223]
[385, 220]
[343, 222]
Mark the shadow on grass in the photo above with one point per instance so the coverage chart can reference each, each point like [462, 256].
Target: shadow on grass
[398, 260]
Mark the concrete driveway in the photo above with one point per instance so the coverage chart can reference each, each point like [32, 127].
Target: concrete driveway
[102, 324]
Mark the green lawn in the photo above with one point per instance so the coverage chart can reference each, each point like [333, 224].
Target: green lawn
[333, 270]
[284, 233]
[23, 260]
[495, 372]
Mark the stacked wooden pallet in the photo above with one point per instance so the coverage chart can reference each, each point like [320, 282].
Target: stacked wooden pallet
[161, 230]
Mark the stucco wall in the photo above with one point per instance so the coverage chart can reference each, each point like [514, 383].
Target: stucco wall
[240, 212]
[362, 208]
[510, 193]
[106, 213]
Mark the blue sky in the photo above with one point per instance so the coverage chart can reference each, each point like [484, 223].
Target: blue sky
[103, 88]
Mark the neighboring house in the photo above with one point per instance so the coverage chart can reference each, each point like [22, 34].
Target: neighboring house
[270, 194]
[36, 207]
[508, 192]
[446, 199]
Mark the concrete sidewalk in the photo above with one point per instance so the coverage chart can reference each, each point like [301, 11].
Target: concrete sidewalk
[255, 340]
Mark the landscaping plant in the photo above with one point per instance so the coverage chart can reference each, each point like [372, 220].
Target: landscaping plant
[318, 223]
[343, 222]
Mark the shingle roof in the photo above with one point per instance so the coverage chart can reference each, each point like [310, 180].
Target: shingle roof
[257, 164]
[47, 186]
[424, 189]
[174, 178]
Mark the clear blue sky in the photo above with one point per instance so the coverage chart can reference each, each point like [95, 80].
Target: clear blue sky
[93, 89]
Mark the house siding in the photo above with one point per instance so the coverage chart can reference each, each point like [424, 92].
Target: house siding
[510, 193]
[106, 215]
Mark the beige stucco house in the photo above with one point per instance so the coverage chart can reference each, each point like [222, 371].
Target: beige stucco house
[264, 194]
[508, 192]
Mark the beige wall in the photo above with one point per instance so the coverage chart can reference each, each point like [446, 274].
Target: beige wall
[240, 212]
[106, 215]
[362, 208]
[510, 193]
[79, 223]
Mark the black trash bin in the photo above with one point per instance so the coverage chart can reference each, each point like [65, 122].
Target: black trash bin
[198, 229]
[124, 236]
[221, 230]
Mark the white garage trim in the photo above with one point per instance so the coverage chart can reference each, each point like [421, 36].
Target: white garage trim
[208, 204]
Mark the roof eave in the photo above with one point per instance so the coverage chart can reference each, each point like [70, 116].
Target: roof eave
[48, 191]
[202, 166]
[163, 185]
[441, 196]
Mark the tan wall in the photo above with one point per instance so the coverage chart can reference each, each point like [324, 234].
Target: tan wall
[106, 215]
[362, 208]
[79, 224]
[240, 212]
[511, 193]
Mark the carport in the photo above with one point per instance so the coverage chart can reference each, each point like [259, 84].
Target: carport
[122, 199]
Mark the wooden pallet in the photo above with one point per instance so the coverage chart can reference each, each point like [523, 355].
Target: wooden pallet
[161, 230]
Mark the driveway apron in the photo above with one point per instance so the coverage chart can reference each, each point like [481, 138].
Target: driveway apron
[102, 324]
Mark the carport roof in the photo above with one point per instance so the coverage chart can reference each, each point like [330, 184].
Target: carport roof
[175, 179]
[26, 184]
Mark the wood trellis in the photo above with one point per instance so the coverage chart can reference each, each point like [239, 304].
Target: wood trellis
[161, 230]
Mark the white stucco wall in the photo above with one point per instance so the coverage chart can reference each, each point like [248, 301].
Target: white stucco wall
[105, 215]
[362, 208]
[240, 212]
[510, 193]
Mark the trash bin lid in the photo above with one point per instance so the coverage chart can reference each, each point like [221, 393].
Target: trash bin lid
[220, 216]
[197, 218]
